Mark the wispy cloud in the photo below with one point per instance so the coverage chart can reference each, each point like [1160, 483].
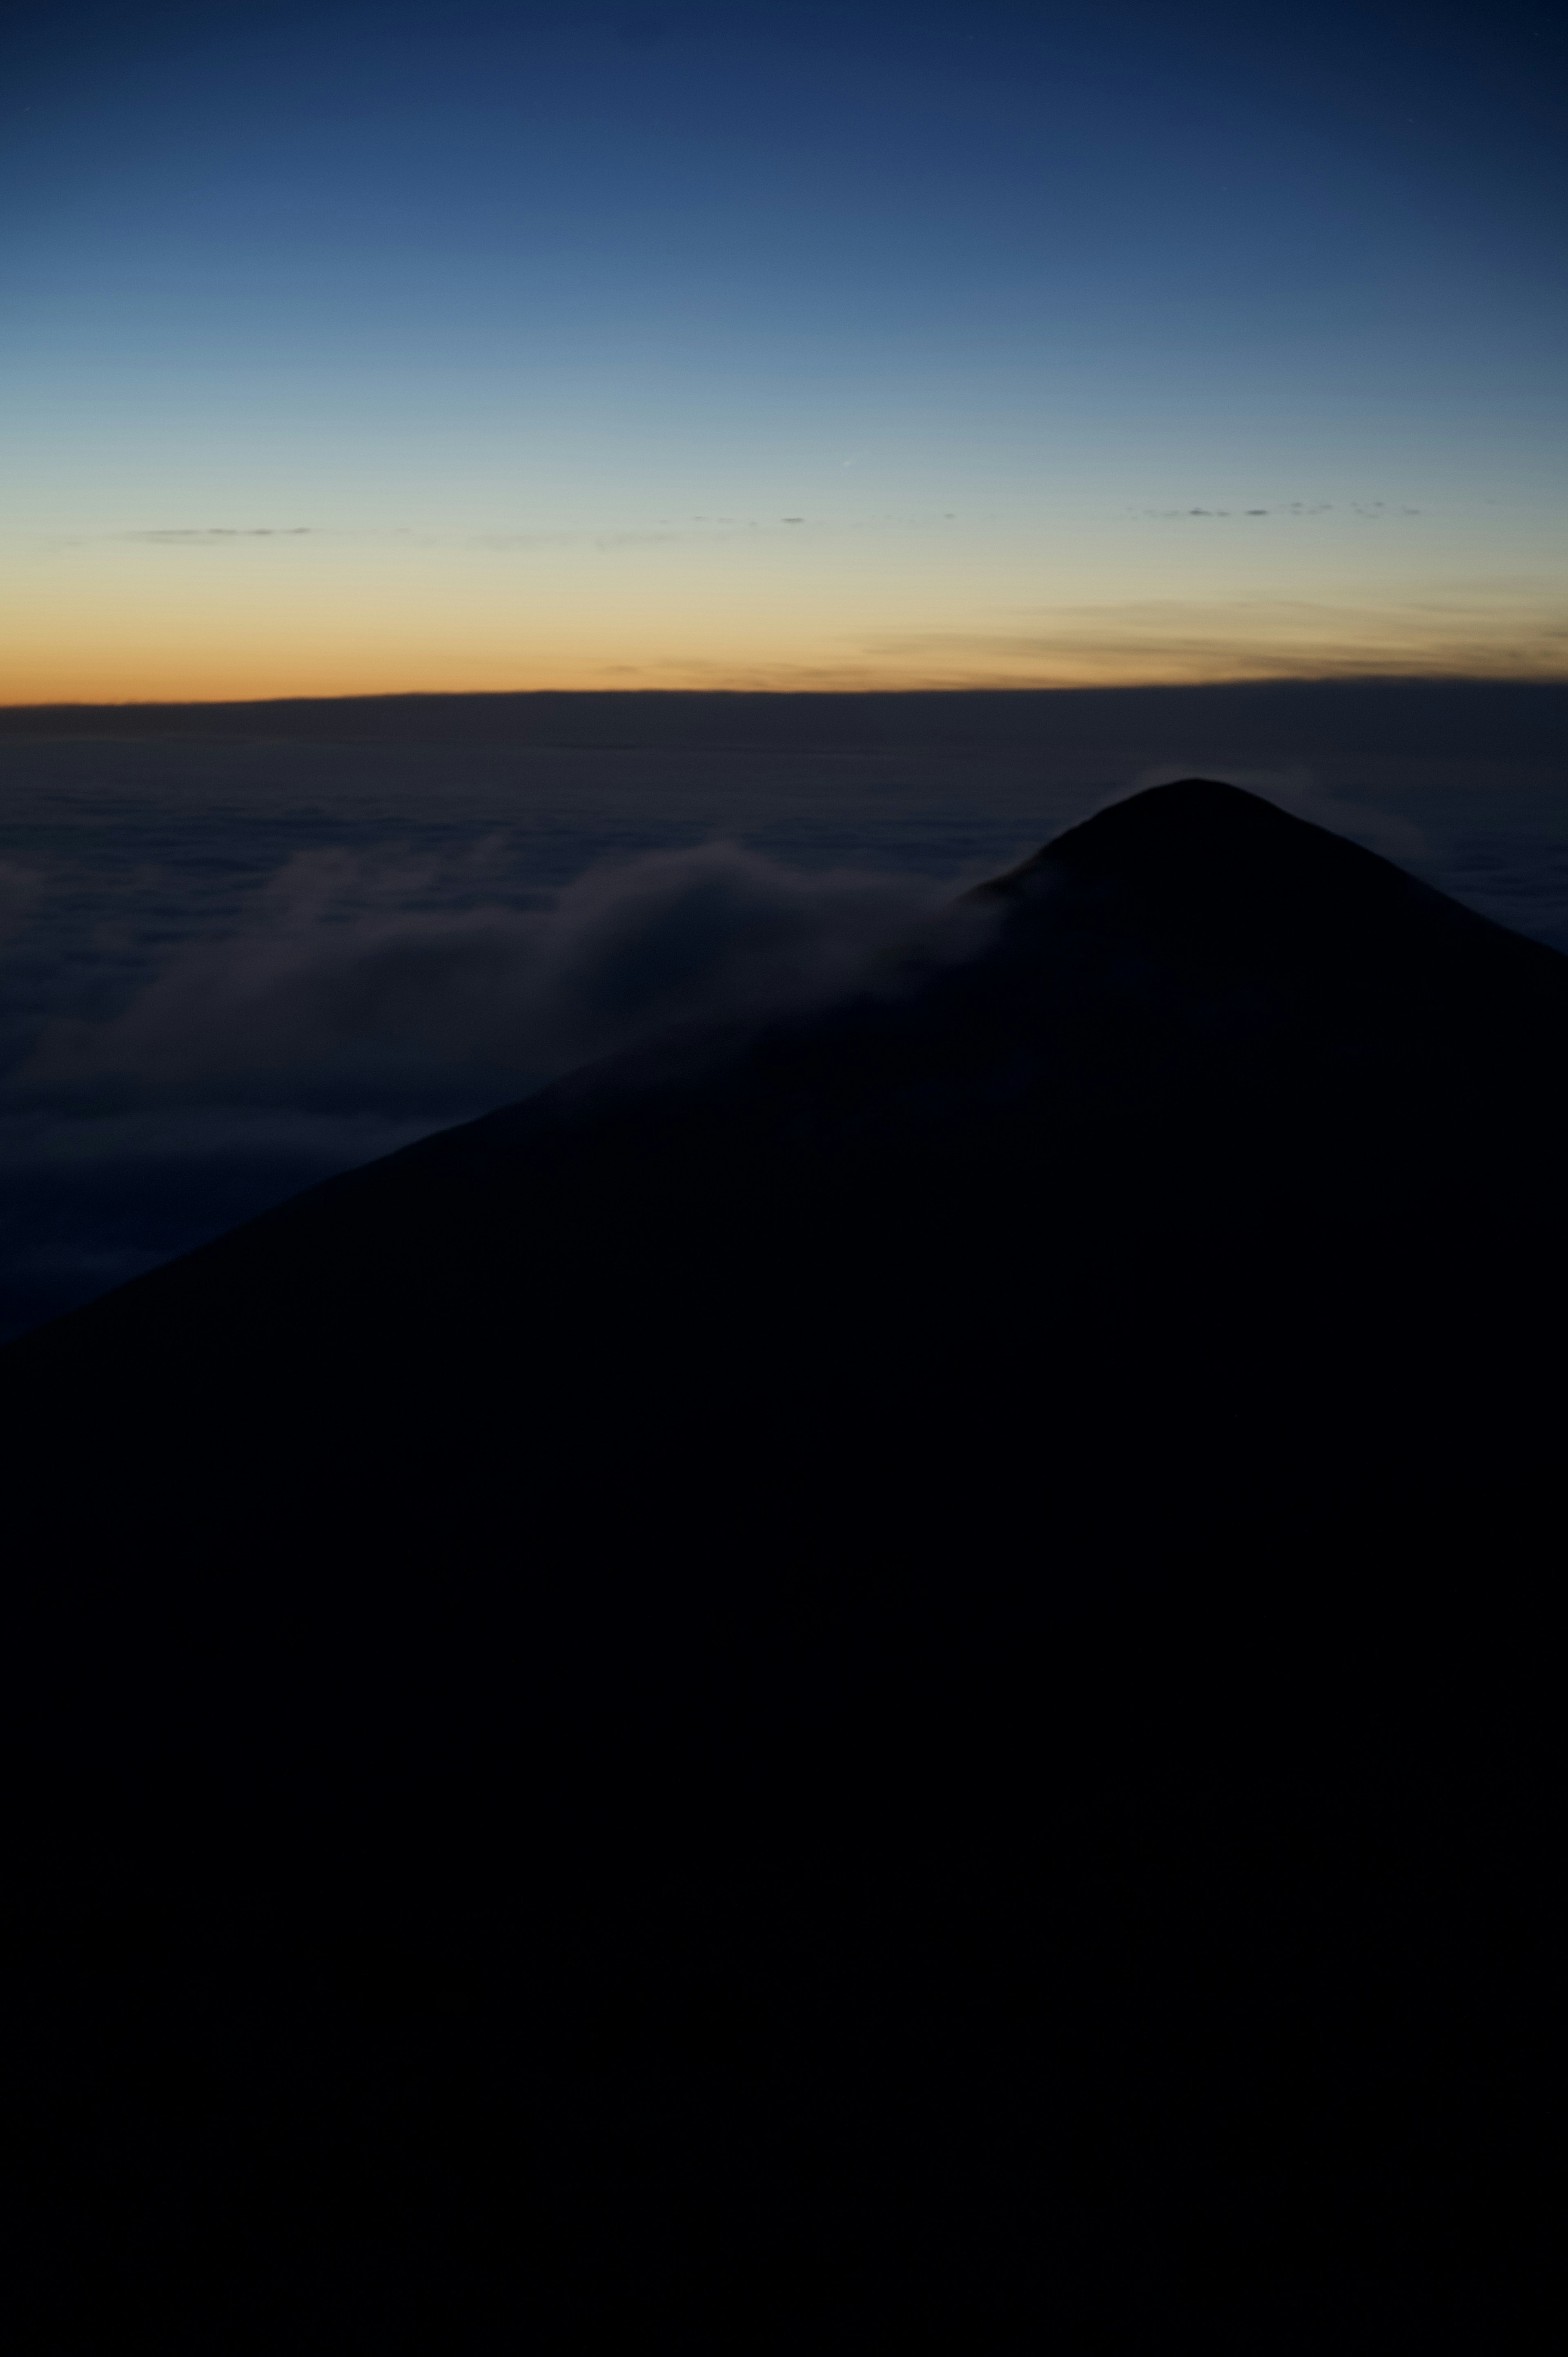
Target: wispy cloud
[200, 532]
[603, 539]
[704, 531]
[1373, 509]
[344, 994]
[700, 529]
[1492, 631]
[695, 531]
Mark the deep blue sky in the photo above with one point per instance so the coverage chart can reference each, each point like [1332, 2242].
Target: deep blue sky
[356, 348]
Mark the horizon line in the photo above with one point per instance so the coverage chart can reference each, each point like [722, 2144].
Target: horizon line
[950, 689]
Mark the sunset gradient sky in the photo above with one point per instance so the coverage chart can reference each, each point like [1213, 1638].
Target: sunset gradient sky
[357, 350]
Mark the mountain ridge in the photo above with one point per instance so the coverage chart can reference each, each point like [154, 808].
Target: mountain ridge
[902, 1684]
[1194, 848]
[1259, 1194]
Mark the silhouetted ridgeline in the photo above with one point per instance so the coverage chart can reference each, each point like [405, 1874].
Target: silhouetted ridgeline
[892, 1659]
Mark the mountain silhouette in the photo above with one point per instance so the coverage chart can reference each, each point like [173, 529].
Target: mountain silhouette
[1002, 1496]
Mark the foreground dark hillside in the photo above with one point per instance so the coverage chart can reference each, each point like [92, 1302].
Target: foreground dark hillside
[873, 1686]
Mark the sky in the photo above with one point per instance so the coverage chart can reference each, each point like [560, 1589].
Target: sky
[350, 351]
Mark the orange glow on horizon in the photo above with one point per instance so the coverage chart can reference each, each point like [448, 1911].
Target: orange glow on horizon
[123, 623]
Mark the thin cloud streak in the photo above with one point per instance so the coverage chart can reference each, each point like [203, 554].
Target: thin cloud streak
[201, 533]
[1188, 640]
[1371, 510]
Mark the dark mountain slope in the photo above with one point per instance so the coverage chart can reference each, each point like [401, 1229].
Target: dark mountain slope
[899, 1662]
[1231, 1138]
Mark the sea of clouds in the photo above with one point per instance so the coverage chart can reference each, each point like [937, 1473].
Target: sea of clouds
[228, 969]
